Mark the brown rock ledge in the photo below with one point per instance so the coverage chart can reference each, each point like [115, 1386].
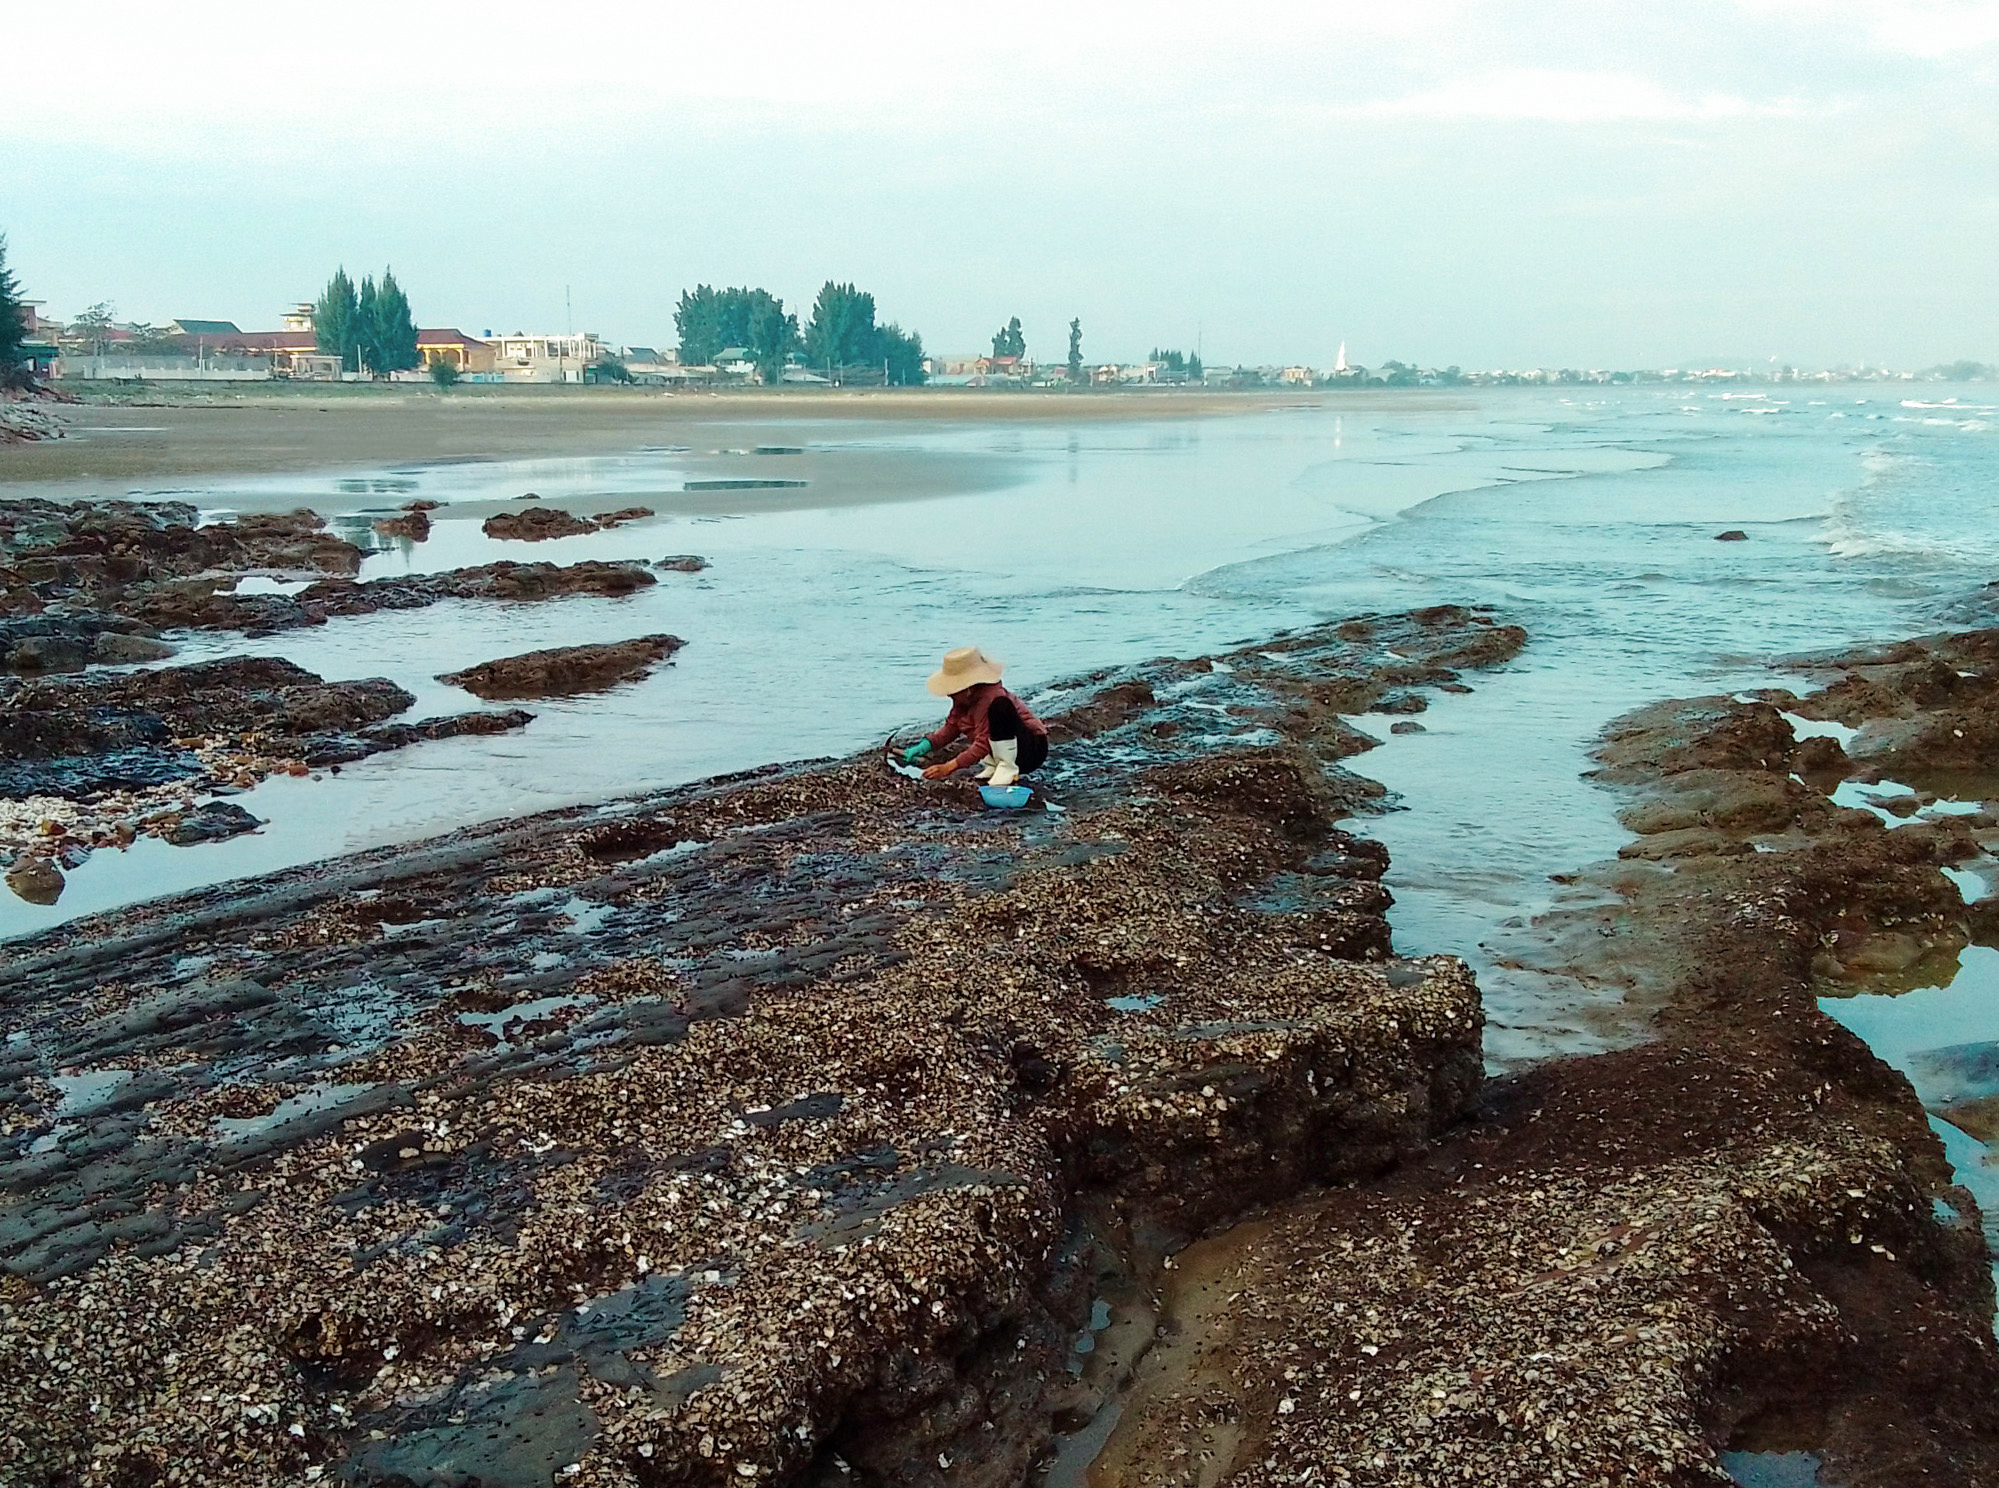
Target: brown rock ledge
[97, 580]
[1739, 1234]
[98, 759]
[746, 1132]
[564, 670]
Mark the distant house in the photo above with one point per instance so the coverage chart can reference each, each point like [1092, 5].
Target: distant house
[650, 367]
[1298, 376]
[735, 361]
[209, 328]
[454, 348]
[1134, 372]
[1001, 366]
[39, 348]
[520, 357]
[282, 347]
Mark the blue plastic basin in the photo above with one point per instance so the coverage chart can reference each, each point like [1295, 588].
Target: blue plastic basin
[1006, 797]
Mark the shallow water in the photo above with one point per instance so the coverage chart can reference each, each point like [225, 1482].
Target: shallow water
[1588, 517]
[1945, 1039]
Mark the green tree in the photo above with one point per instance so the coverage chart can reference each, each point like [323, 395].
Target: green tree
[1075, 351]
[390, 328]
[710, 320]
[773, 337]
[365, 349]
[902, 356]
[842, 332]
[92, 328]
[336, 320]
[698, 321]
[1193, 367]
[1008, 341]
[15, 368]
[444, 372]
[152, 340]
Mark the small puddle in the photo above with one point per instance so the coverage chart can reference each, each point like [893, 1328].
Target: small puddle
[83, 1094]
[587, 915]
[1815, 728]
[1077, 1452]
[1974, 879]
[313, 1102]
[1773, 1469]
[1136, 1002]
[1897, 804]
[740, 485]
[1945, 1040]
[1086, 1341]
[497, 1023]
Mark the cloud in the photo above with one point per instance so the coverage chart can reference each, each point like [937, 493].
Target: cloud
[1565, 98]
[1935, 30]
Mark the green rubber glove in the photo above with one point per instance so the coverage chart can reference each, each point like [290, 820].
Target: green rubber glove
[920, 750]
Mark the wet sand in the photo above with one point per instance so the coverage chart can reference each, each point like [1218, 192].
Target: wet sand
[143, 441]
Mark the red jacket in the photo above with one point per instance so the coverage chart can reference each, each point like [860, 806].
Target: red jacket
[968, 718]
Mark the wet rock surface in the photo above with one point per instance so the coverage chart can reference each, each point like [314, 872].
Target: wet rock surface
[564, 670]
[98, 581]
[72, 640]
[536, 524]
[413, 524]
[207, 605]
[23, 423]
[539, 523]
[1740, 1234]
[99, 759]
[739, 1132]
[99, 555]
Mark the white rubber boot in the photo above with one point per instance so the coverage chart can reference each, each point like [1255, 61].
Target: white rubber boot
[1006, 761]
[986, 768]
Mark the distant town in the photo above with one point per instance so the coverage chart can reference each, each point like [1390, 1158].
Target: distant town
[94, 346]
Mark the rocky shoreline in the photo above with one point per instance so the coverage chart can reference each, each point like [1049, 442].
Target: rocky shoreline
[751, 1131]
[1739, 1234]
[815, 1127]
[100, 759]
[92, 757]
[102, 581]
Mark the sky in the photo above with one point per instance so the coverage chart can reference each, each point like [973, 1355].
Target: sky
[1503, 183]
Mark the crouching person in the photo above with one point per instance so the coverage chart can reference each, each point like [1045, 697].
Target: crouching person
[1003, 738]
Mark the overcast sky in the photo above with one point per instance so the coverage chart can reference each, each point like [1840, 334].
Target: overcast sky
[1593, 183]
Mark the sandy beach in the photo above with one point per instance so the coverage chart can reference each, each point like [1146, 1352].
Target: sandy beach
[141, 441]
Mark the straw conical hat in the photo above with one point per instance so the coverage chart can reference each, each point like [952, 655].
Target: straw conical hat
[967, 666]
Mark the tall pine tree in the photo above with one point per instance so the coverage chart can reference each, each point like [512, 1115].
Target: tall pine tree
[14, 370]
[393, 327]
[1009, 342]
[366, 351]
[371, 329]
[334, 320]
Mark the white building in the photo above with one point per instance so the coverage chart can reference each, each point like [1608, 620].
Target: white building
[524, 358]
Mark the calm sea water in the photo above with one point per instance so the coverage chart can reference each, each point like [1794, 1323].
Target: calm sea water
[1587, 518]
